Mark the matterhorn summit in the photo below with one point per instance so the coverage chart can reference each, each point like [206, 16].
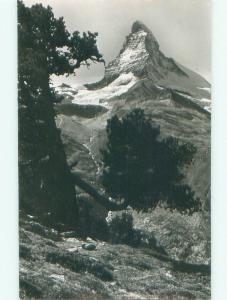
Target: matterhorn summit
[141, 69]
[141, 55]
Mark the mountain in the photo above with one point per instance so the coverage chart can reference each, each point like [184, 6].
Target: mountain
[176, 98]
[142, 56]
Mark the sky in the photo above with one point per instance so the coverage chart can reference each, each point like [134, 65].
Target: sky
[182, 28]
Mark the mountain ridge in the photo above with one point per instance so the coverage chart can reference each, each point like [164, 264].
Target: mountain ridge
[141, 55]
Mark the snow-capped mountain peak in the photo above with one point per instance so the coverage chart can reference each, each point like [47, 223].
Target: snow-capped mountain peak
[141, 55]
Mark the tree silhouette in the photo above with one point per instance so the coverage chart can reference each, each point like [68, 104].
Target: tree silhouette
[143, 169]
[45, 47]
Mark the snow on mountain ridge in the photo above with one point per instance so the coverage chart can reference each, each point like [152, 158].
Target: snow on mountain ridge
[140, 59]
[141, 55]
[132, 57]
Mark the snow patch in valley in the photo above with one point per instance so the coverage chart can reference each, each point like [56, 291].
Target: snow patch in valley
[205, 100]
[205, 103]
[101, 96]
[205, 89]
[185, 96]
[159, 87]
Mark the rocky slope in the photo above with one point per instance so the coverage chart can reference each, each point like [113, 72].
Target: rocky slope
[56, 265]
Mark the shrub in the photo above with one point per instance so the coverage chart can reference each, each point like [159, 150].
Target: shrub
[141, 168]
[120, 227]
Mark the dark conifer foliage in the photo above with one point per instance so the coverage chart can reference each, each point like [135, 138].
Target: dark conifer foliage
[143, 169]
[45, 47]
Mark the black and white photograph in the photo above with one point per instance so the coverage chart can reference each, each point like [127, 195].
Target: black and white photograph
[114, 149]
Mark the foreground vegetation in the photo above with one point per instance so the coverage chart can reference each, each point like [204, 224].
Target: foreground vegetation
[57, 265]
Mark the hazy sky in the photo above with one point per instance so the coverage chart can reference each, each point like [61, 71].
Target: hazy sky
[182, 27]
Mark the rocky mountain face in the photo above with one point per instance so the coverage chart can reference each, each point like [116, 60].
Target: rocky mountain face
[142, 56]
[177, 99]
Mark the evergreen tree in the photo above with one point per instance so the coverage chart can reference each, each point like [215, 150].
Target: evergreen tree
[45, 47]
[143, 169]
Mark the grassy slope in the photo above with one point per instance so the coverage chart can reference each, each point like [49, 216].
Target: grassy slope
[53, 266]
